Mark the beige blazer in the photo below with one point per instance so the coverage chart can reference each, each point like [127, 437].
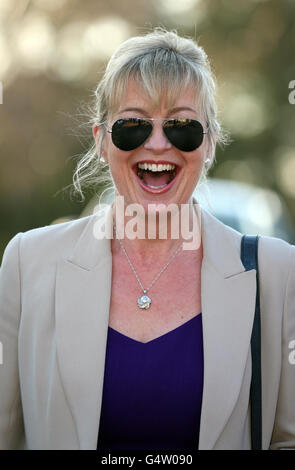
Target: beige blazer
[55, 284]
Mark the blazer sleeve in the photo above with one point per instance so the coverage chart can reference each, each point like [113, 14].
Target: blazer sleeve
[11, 416]
[284, 429]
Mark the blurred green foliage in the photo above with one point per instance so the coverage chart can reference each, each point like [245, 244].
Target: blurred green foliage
[53, 53]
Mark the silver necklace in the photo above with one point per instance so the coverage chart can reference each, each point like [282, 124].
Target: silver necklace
[144, 302]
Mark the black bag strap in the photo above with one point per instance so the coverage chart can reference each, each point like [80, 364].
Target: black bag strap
[249, 257]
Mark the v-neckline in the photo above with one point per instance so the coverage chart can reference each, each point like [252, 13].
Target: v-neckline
[118, 333]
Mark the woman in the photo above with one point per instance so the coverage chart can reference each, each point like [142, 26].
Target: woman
[143, 343]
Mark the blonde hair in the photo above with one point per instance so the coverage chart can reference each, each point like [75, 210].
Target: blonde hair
[162, 63]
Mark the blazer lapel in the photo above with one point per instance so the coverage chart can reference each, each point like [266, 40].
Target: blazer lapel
[228, 303]
[83, 287]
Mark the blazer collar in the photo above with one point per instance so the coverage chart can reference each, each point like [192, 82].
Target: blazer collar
[221, 244]
[83, 289]
[228, 295]
[92, 247]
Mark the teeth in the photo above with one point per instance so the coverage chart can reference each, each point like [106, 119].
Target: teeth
[156, 167]
[156, 187]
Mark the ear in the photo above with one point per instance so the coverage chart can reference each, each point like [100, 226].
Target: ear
[96, 130]
[210, 147]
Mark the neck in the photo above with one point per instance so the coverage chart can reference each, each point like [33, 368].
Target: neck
[157, 235]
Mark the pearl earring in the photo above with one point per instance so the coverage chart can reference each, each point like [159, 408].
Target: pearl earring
[207, 162]
[102, 160]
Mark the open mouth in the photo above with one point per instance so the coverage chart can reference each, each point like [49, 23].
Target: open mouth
[156, 176]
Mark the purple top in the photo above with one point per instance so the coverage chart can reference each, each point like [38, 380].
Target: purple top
[152, 392]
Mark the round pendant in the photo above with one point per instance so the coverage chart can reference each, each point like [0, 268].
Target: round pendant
[144, 302]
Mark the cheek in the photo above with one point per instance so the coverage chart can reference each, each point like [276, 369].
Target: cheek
[114, 156]
[196, 162]
[111, 152]
[118, 165]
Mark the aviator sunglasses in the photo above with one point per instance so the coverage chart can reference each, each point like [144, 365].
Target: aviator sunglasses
[130, 133]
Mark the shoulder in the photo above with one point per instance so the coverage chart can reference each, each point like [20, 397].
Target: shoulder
[277, 251]
[49, 241]
[276, 257]
[64, 233]
[269, 248]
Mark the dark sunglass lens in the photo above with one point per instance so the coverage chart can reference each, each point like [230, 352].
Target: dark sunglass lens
[185, 134]
[128, 134]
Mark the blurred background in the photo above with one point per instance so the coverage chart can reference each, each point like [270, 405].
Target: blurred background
[52, 55]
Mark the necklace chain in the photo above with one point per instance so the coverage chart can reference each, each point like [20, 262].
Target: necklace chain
[134, 271]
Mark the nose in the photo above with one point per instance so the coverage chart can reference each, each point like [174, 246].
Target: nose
[157, 141]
